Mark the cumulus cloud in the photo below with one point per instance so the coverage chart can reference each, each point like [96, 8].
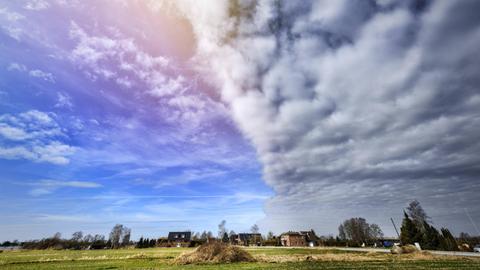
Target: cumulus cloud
[33, 135]
[354, 107]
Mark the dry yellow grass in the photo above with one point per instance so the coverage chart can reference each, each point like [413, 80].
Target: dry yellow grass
[404, 249]
[359, 257]
[215, 253]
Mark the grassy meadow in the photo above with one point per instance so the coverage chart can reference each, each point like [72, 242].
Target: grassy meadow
[267, 258]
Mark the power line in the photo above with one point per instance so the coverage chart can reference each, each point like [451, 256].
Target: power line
[471, 220]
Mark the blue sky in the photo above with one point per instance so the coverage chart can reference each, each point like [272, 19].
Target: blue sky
[81, 149]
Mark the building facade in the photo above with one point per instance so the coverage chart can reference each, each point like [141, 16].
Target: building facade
[246, 239]
[292, 239]
[299, 239]
[180, 239]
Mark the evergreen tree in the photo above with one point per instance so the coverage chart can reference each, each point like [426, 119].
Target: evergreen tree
[431, 238]
[450, 242]
[140, 243]
[225, 238]
[409, 233]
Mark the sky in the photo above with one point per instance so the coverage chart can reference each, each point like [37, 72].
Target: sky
[174, 115]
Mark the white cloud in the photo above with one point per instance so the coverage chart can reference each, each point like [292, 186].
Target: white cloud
[42, 75]
[36, 73]
[121, 60]
[191, 175]
[16, 67]
[36, 5]
[65, 218]
[10, 15]
[9, 21]
[12, 133]
[98, 52]
[54, 152]
[44, 187]
[16, 153]
[33, 135]
[64, 101]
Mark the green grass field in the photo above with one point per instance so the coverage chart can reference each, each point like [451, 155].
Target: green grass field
[268, 258]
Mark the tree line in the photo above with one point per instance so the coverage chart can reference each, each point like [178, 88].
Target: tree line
[354, 232]
[118, 237]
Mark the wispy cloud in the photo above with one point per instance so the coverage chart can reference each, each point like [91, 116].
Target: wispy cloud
[36, 5]
[42, 75]
[191, 175]
[64, 101]
[44, 187]
[36, 73]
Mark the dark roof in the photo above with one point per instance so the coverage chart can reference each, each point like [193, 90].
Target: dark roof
[309, 235]
[248, 236]
[179, 236]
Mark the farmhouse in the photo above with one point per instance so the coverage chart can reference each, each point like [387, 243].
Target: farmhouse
[311, 238]
[246, 239]
[292, 239]
[180, 239]
[299, 239]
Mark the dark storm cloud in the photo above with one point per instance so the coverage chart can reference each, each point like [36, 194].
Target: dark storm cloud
[357, 107]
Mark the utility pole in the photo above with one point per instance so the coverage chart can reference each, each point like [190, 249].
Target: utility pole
[395, 229]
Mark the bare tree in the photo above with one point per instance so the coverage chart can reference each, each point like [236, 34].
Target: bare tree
[99, 237]
[77, 236]
[116, 235]
[359, 231]
[88, 238]
[254, 228]
[341, 232]
[221, 229]
[375, 232]
[126, 236]
[204, 235]
[418, 215]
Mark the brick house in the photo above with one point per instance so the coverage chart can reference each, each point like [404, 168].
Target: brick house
[299, 239]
